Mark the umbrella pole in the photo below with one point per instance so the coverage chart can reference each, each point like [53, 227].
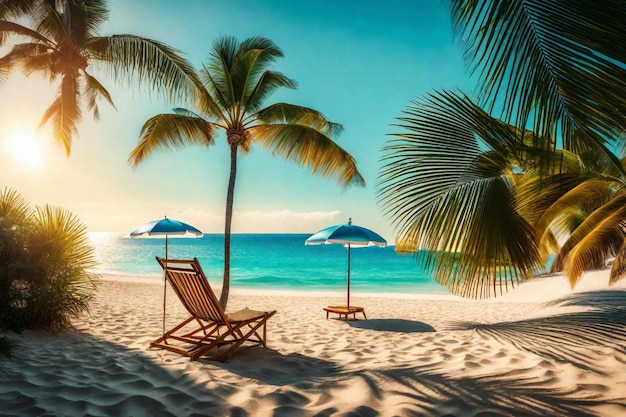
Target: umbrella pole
[164, 286]
[348, 303]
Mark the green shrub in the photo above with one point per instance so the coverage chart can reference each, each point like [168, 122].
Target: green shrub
[44, 261]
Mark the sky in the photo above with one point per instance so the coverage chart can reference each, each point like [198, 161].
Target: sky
[360, 63]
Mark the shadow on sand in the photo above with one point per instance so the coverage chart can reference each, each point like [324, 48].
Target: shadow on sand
[260, 364]
[129, 380]
[393, 325]
[560, 337]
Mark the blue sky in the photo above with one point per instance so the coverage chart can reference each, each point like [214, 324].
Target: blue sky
[358, 62]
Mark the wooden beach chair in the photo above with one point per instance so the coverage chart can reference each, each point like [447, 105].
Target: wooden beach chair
[210, 332]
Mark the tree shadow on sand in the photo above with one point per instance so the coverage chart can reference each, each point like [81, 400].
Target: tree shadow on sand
[428, 391]
[75, 373]
[72, 373]
[563, 337]
[393, 325]
[295, 369]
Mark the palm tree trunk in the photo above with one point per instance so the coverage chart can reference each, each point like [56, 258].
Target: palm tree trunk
[227, 224]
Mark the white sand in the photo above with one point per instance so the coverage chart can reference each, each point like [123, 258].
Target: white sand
[517, 355]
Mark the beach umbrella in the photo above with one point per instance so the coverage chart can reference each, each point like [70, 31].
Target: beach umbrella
[164, 228]
[349, 235]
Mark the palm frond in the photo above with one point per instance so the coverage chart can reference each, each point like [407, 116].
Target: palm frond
[13, 208]
[93, 89]
[599, 237]
[133, 58]
[186, 112]
[13, 10]
[211, 99]
[307, 146]
[601, 223]
[618, 270]
[30, 57]
[270, 51]
[266, 85]
[290, 113]
[69, 233]
[536, 192]
[218, 73]
[557, 63]
[435, 153]
[49, 21]
[63, 256]
[448, 187]
[16, 8]
[15, 225]
[65, 112]
[85, 18]
[594, 191]
[7, 27]
[5, 69]
[171, 131]
[254, 56]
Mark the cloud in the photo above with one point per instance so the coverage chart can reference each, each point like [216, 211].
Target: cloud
[278, 221]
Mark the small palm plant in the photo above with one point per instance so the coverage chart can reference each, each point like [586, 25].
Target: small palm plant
[46, 257]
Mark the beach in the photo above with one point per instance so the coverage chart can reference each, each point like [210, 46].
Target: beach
[539, 350]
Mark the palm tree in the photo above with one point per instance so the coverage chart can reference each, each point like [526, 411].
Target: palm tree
[63, 44]
[236, 80]
[462, 189]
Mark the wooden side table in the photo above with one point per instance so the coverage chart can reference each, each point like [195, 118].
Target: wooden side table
[345, 311]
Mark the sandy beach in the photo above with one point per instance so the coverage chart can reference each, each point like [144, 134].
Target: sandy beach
[540, 350]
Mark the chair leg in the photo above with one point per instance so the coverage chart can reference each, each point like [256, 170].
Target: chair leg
[164, 337]
[234, 346]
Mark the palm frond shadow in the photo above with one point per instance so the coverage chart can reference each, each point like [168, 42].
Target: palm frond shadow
[429, 391]
[573, 337]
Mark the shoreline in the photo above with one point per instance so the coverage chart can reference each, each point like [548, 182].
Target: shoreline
[540, 350]
[242, 290]
[541, 288]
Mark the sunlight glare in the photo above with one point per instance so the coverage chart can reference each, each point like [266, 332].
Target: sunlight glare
[26, 149]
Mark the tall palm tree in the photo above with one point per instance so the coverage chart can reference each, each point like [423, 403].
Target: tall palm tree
[62, 43]
[456, 183]
[236, 81]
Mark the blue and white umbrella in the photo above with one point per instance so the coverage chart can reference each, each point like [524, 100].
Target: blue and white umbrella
[349, 235]
[165, 227]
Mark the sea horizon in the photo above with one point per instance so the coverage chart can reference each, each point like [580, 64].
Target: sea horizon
[270, 261]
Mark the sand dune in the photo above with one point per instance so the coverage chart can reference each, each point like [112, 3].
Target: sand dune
[540, 350]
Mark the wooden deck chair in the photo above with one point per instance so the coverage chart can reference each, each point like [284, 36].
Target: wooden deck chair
[209, 333]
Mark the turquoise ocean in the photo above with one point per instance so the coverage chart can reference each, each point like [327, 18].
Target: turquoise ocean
[269, 261]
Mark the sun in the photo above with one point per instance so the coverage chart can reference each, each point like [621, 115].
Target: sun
[26, 149]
